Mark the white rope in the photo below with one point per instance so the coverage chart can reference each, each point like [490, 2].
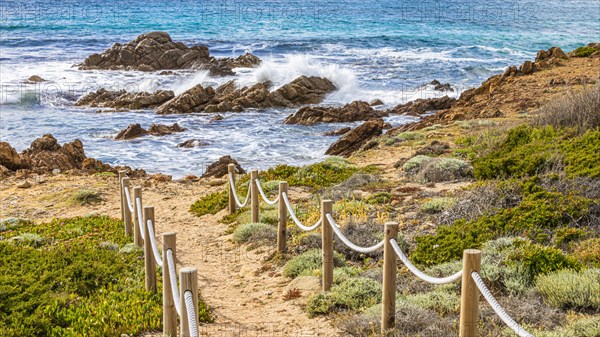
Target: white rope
[497, 308]
[191, 312]
[295, 218]
[157, 256]
[128, 198]
[264, 196]
[173, 278]
[420, 274]
[138, 205]
[237, 200]
[349, 243]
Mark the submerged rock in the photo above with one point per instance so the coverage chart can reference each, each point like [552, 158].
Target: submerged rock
[351, 112]
[136, 130]
[220, 168]
[124, 100]
[192, 143]
[36, 79]
[157, 51]
[437, 85]
[356, 138]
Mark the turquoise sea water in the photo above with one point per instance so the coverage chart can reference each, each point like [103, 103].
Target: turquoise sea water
[370, 49]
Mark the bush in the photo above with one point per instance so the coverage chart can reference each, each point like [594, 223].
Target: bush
[402, 137]
[210, 204]
[437, 205]
[445, 169]
[255, 232]
[415, 163]
[379, 198]
[28, 239]
[571, 289]
[584, 51]
[564, 236]
[86, 197]
[539, 260]
[440, 301]
[351, 294]
[577, 109]
[308, 262]
[436, 148]
[588, 252]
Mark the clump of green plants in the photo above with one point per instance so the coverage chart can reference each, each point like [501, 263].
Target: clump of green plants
[584, 51]
[571, 289]
[588, 252]
[445, 169]
[536, 259]
[352, 294]
[306, 263]
[440, 301]
[402, 137]
[86, 197]
[255, 232]
[12, 223]
[436, 205]
[415, 163]
[379, 198]
[210, 204]
[28, 239]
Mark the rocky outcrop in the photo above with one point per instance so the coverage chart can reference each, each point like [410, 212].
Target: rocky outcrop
[337, 132]
[243, 61]
[437, 85]
[303, 90]
[544, 59]
[157, 51]
[10, 158]
[356, 138]
[219, 168]
[124, 100]
[46, 154]
[136, 130]
[423, 105]
[190, 143]
[351, 112]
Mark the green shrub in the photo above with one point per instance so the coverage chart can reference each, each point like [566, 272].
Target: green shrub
[440, 301]
[445, 169]
[210, 204]
[582, 155]
[402, 137]
[436, 205]
[86, 197]
[309, 261]
[564, 236]
[352, 294]
[255, 232]
[588, 252]
[540, 260]
[12, 223]
[584, 51]
[379, 198]
[415, 163]
[571, 289]
[28, 239]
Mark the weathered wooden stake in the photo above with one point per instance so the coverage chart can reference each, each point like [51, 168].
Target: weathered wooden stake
[188, 277]
[232, 205]
[149, 261]
[126, 211]
[169, 312]
[282, 225]
[137, 228]
[254, 196]
[469, 296]
[388, 301]
[122, 174]
[327, 244]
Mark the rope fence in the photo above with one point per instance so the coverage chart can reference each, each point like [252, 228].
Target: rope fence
[141, 220]
[472, 286]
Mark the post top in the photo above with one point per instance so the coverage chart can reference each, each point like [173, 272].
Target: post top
[137, 188]
[187, 270]
[472, 252]
[231, 165]
[169, 234]
[326, 201]
[391, 224]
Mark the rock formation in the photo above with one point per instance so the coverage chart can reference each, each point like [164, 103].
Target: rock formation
[124, 100]
[219, 168]
[136, 130]
[423, 105]
[356, 138]
[351, 112]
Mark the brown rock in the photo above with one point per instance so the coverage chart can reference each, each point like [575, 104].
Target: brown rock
[136, 130]
[355, 139]
[376, 102]
[159, 177]
[45, 154]
[132, 131]
[216, 118]
[192, 100]
[162, 130]
[24, 184]
[510, 71]
[303, 90]
[355, 111]
[423, 105]
[437, 85]
[337, 132]
[527, 68]
[558, 53]
[243, 61]
[219, 168]
[124, 100]
[36, 78]
[9, 157]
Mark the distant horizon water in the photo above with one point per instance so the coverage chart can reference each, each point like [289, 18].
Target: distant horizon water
[386, 50]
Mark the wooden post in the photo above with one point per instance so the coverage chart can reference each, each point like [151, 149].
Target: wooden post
[232, 205]
[253, 196]
[137, 228]
[169, 311]
[188, 277]
[388, 300]
[469, 295]
[149, 261]
[126, 212]
[282, 224]
[122, 174]
[327, 244]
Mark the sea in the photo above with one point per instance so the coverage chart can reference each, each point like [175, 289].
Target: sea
[384, 49]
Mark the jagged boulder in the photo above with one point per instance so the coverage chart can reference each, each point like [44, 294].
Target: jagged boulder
[356, 138]
[219, 168]
[423, 105]
[124, 100]
[46, 154]
[157, 51]
[192, 100]
[351, 112]
[10, 158]
[303, 90]
[136, 130]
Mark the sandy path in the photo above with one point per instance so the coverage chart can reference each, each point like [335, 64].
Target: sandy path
[244, 293]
